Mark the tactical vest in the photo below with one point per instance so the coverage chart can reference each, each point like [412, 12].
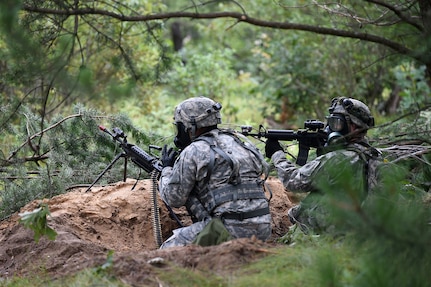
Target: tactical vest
[371, 158]
[201, 206]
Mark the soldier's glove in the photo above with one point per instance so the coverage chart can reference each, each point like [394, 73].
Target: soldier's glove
[168, 156]
[271, 146]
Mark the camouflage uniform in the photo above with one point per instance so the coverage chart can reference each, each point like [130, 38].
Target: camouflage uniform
[363, 160]
[301, 179]
[348, 152]
[217, 175]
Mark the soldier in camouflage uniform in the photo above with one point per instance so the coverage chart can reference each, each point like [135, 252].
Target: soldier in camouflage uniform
[215, 175]
[347, 126]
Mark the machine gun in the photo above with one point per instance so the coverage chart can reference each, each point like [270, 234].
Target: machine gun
[311, 136]
[145, 161]
[138, 156]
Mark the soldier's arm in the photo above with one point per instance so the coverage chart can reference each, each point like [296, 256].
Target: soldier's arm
[293, 177]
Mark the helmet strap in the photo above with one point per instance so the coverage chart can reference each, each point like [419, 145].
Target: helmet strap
[193, 128]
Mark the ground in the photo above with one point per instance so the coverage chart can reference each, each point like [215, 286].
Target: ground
[118, 217]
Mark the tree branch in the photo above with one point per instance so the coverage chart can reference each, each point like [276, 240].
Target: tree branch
[239, 16]
[398, 13]
[41, 133]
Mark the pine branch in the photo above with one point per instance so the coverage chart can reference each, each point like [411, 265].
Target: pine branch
[41, 133]
[28, 141]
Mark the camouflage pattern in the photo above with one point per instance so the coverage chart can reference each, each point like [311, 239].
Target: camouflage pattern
[188, 178]
[201, 111]
[185, 235]
[356, 110]
[363, 160]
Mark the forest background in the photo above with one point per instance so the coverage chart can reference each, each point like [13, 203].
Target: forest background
[68, 66]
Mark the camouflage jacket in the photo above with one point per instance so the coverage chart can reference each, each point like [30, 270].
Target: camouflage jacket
[302, 179]
[199, 171]
[359, 161]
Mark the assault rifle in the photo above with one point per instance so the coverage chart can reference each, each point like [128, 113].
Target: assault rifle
[311, 136]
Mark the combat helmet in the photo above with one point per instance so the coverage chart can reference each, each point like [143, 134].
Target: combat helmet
[354, 110]
[197, 113]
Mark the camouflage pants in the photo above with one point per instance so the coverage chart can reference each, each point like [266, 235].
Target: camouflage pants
[247, 229]
[185, 235]
[310, 220]
[238, 229]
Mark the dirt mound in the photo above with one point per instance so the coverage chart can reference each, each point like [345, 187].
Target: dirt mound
[118, 218]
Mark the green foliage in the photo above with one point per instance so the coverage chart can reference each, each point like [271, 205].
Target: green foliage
[84, 278]
[300, 74]
[288, 78]
[203, 75]
[314, 262]
[414, 89]
[71, 150]
[36, 221]
[296, 236]
[88, 277]
[409, 128]
[212, 76]
[397, 140]
[128, 71]
[390, 231]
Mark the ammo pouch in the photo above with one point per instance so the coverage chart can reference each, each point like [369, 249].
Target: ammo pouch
[196, 209]
[213, 198]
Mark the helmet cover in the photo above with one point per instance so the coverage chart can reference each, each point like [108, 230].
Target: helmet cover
[198, 112]
[356, 110]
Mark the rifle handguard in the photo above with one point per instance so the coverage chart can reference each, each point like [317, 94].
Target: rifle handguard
[143, 159]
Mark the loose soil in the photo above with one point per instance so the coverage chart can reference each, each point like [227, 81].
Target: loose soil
[118, 218]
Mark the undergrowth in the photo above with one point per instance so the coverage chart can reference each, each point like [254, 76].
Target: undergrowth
[302, 264]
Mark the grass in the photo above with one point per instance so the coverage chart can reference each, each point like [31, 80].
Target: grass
[191, 277]
[87, 277]
[310, 262]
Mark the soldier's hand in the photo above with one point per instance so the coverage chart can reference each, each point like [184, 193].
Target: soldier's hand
[271, 146]
[168, 156]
